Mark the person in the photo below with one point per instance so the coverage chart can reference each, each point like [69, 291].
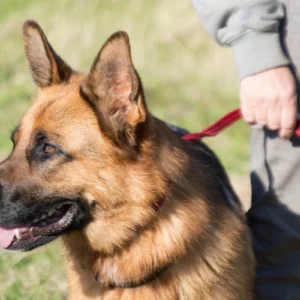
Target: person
[265, 37]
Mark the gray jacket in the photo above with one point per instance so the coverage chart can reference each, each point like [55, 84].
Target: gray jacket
[250, 27]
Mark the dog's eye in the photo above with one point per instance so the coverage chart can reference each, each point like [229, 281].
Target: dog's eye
[49, 149]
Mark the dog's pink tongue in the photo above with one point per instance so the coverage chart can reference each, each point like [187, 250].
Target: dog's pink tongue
[6, 237]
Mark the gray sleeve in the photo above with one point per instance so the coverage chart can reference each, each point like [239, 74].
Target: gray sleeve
[250, 27]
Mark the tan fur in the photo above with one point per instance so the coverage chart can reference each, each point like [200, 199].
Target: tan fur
[123, 163]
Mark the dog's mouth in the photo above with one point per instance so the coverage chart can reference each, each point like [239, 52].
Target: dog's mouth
[51, 223]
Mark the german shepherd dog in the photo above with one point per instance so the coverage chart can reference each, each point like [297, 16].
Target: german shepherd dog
[142, 213]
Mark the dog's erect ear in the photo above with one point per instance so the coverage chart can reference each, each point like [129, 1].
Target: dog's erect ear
[46, 66]
[114, 89]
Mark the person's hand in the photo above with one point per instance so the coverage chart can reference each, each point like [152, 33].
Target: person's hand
[269, 98]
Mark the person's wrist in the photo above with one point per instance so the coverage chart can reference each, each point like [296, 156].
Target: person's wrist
[256, 52]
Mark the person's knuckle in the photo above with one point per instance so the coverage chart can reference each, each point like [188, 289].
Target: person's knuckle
[261, 113]
[273, 126]
[285, 134]
[249, 100]
[261, 121]
[290, 91]
[272, 99]
[249, 119]
[259, 103]
[289, 125]
[247, 116]
[288, 97]
[289, 116]
[245, 111]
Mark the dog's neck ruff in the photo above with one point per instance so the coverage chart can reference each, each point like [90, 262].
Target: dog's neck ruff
[159, 203]
[134, 284]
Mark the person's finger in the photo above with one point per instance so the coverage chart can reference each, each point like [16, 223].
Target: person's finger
[288, 121]
[261, 115]
[274, 118]
[247, 112]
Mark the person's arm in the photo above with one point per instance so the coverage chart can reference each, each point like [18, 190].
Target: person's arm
[251, 28]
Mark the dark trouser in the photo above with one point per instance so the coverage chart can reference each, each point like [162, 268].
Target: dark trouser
[275, 213]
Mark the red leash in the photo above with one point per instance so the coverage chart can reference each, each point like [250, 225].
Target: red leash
[222, 124]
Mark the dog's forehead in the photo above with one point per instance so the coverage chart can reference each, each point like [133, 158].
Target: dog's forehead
[59, 108]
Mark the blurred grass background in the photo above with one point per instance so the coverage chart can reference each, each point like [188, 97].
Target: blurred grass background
[188, 79]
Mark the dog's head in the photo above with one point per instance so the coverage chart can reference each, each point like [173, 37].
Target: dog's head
[83, 154]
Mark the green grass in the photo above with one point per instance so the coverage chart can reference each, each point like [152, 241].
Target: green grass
[188, 79]
[35, 275]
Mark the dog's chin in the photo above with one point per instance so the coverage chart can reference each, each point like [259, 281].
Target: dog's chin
[60, 219]
[30, 244]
